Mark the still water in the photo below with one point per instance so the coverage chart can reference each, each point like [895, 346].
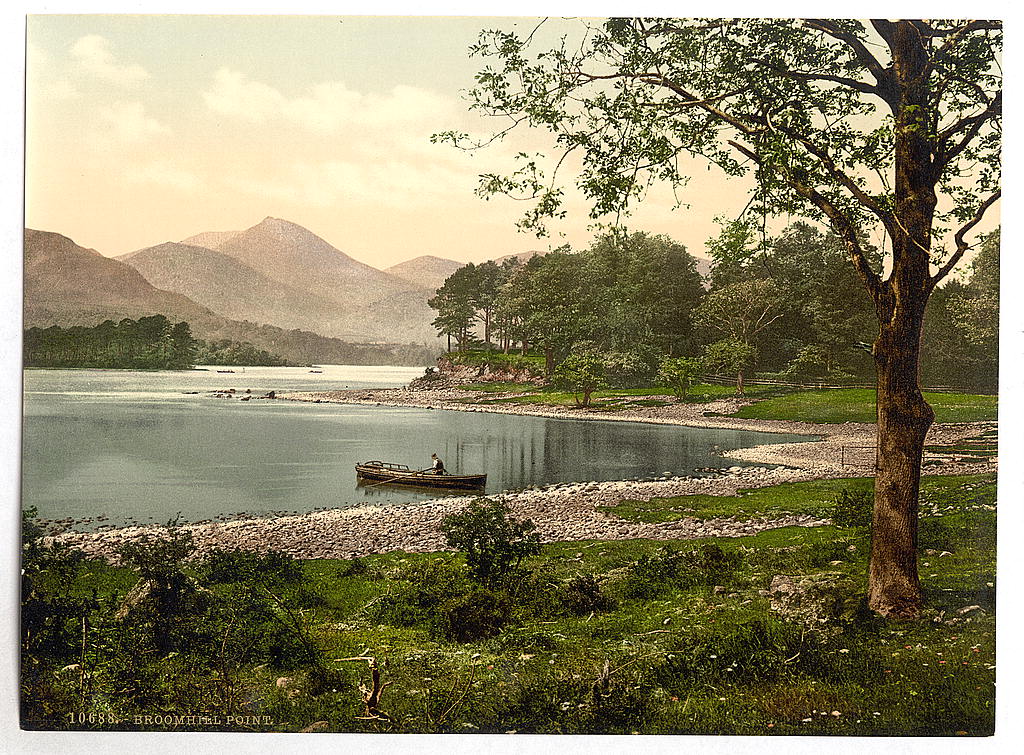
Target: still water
[144, 446]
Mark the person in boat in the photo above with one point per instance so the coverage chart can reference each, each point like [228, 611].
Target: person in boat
[438, 465]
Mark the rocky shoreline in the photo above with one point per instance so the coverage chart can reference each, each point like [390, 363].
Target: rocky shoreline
[566, 512]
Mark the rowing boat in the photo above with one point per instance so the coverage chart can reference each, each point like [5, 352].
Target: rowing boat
[383, 472]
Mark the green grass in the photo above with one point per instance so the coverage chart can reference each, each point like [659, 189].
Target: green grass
[704, 657]
[814, 497]
[858, 405]
[611, 399]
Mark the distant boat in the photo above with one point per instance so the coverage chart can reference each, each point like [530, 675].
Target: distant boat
[316, 371]
[382, 472]
[231, 371]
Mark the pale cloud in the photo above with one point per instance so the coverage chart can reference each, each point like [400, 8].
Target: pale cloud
[325, 108]
[163, 173]
[93, 56]
[45, 79]
[392, 183]
[234, 94]
[126, 123]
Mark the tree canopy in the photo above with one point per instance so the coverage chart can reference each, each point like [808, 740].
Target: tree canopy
[882, 125]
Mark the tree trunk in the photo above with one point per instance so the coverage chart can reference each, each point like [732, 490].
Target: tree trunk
[739, 382]
[549, 361]
[903, 421]
[904, 416]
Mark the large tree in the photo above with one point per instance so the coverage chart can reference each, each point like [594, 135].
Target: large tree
[894, 124]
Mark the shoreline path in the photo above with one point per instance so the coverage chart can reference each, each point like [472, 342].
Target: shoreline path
[572, 511]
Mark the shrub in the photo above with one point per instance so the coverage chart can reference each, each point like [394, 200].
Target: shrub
[743, 649]
[582, 373]
[494, 542]
[419, 590]
[630, 369]
[582, 594]
[474, 615]
[680, 374]
[225, 566]
[667, 567]
[852, 508]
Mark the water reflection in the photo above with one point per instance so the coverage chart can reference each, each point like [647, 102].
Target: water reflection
[98, 452]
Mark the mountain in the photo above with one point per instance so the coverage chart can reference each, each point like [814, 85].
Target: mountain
[281, 274]
[427, 271]
[703, 265]
[66, 284]
[521, 256]
[69, 284]
[210, 239]
[233, 289]
[289, 253]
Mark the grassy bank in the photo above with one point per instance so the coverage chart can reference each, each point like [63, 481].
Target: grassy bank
[829, 406]
[858, 405]
[587, 637]
[611, 399]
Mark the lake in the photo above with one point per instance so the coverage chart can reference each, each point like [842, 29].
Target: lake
[141, 447]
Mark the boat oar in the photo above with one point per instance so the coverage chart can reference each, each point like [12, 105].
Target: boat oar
[398, 479]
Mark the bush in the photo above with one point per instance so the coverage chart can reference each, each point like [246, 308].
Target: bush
[743, 649]
[474, 615]
[852, 508]
[582, 594]
[667, 567]
[582, 373]
[419, 590]
[630, 369]
[494, 542]
[226, 566]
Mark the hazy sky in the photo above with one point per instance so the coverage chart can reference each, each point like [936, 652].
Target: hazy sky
[142, 129]
[145, 129]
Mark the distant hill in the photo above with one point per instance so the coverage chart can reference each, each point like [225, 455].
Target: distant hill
[281, 274]
[210, 239]
[66, 284]
[234, 289]
[71, 285]
[703, 265]
[426, 271]
[521, 256]
[289, 253]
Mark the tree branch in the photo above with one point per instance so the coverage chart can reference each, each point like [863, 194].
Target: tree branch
[860, 86]
[882, 76]
[972, 125]
[961, 244]
[842, 224]
[865, 199]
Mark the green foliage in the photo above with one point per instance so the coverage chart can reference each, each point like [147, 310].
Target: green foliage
[548, 652]
[149, 343]
[852, 508]
[680, 374]
[53, 614]
[499, 361]
[960, 346]
[729, 355]
[581, 594]
[858, 405]
[582, 373]
[419, 590]
[494, 542]
[669, 568]
[235, 353]
[476, 614]
[630, 369]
